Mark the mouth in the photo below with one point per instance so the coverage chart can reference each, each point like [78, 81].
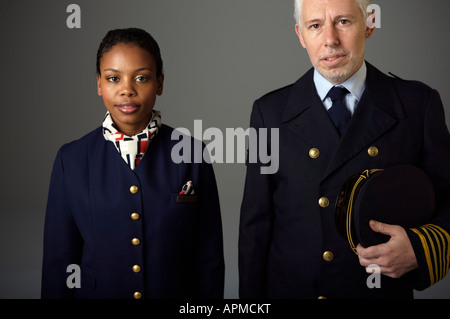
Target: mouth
[127, 107]
[333, 59]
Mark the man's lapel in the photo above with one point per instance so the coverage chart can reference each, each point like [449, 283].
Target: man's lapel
[305, 115]
[377, 112]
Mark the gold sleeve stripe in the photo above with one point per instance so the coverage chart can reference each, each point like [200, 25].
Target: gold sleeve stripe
[435, 242]
[446, 248]
[435, 269]
[433, 252]
[427, 253]
[437, 238]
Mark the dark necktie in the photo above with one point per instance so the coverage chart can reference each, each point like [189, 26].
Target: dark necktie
[338, 112]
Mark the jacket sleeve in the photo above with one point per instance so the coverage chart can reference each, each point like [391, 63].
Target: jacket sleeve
[62, 241]
[431, 241]
[210, 260]
[256, 218]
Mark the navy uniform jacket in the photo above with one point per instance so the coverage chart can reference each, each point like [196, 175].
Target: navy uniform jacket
[285, 229]
[175, 242]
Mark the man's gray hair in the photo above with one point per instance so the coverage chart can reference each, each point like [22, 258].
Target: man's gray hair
[363, 4]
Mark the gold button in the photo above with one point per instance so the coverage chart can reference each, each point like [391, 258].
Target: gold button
[328, 256]
[135, 241]
[314, 153]
[135, 216]
[137, 295]
[324, 202]
[136, 268]
[321, 297]
[134, 189]
[373, 151]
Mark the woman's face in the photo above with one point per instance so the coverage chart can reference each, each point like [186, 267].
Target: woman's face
[128, 85]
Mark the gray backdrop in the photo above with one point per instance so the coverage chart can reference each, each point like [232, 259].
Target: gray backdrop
[219, 56]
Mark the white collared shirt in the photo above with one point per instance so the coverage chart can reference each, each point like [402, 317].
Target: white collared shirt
[356, 85]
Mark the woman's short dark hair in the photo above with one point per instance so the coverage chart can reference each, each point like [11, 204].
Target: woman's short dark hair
[133, 36]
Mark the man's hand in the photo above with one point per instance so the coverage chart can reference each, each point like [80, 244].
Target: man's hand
[395, 258]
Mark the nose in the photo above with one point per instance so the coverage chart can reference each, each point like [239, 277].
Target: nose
[331, 36]
[127, 88]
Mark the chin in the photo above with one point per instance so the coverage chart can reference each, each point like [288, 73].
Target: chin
[338, 78]
[337, 75]
[334, 77]
[340, 74]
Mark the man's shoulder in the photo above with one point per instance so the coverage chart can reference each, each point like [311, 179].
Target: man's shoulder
[411, 92]
[411, 86]
[283, 92]
[401, 84]
[276, 95]
[393, 92]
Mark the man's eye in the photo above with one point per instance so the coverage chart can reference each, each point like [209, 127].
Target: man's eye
[344, 21]
[315, 26]
[113, 79]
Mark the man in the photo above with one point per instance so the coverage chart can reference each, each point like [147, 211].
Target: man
[289, 246]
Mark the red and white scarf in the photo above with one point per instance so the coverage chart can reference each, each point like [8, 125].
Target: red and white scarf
[131, 148]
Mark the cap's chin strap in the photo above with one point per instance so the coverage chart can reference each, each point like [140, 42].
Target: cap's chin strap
[348, 224]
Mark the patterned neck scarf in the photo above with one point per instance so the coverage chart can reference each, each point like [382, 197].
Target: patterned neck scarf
[131, 148]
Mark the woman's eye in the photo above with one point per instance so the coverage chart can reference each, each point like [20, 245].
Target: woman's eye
[344, 22]
[113, 79]
[141, 78]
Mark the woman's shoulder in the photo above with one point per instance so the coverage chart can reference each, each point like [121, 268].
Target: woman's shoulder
[78, 146]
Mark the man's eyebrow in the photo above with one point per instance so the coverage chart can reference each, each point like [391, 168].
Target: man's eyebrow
[347, 16]
[313, 21]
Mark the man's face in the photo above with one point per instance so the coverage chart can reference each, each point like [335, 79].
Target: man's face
[334, 33]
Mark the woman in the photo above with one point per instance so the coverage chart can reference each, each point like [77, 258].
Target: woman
[137, 224]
